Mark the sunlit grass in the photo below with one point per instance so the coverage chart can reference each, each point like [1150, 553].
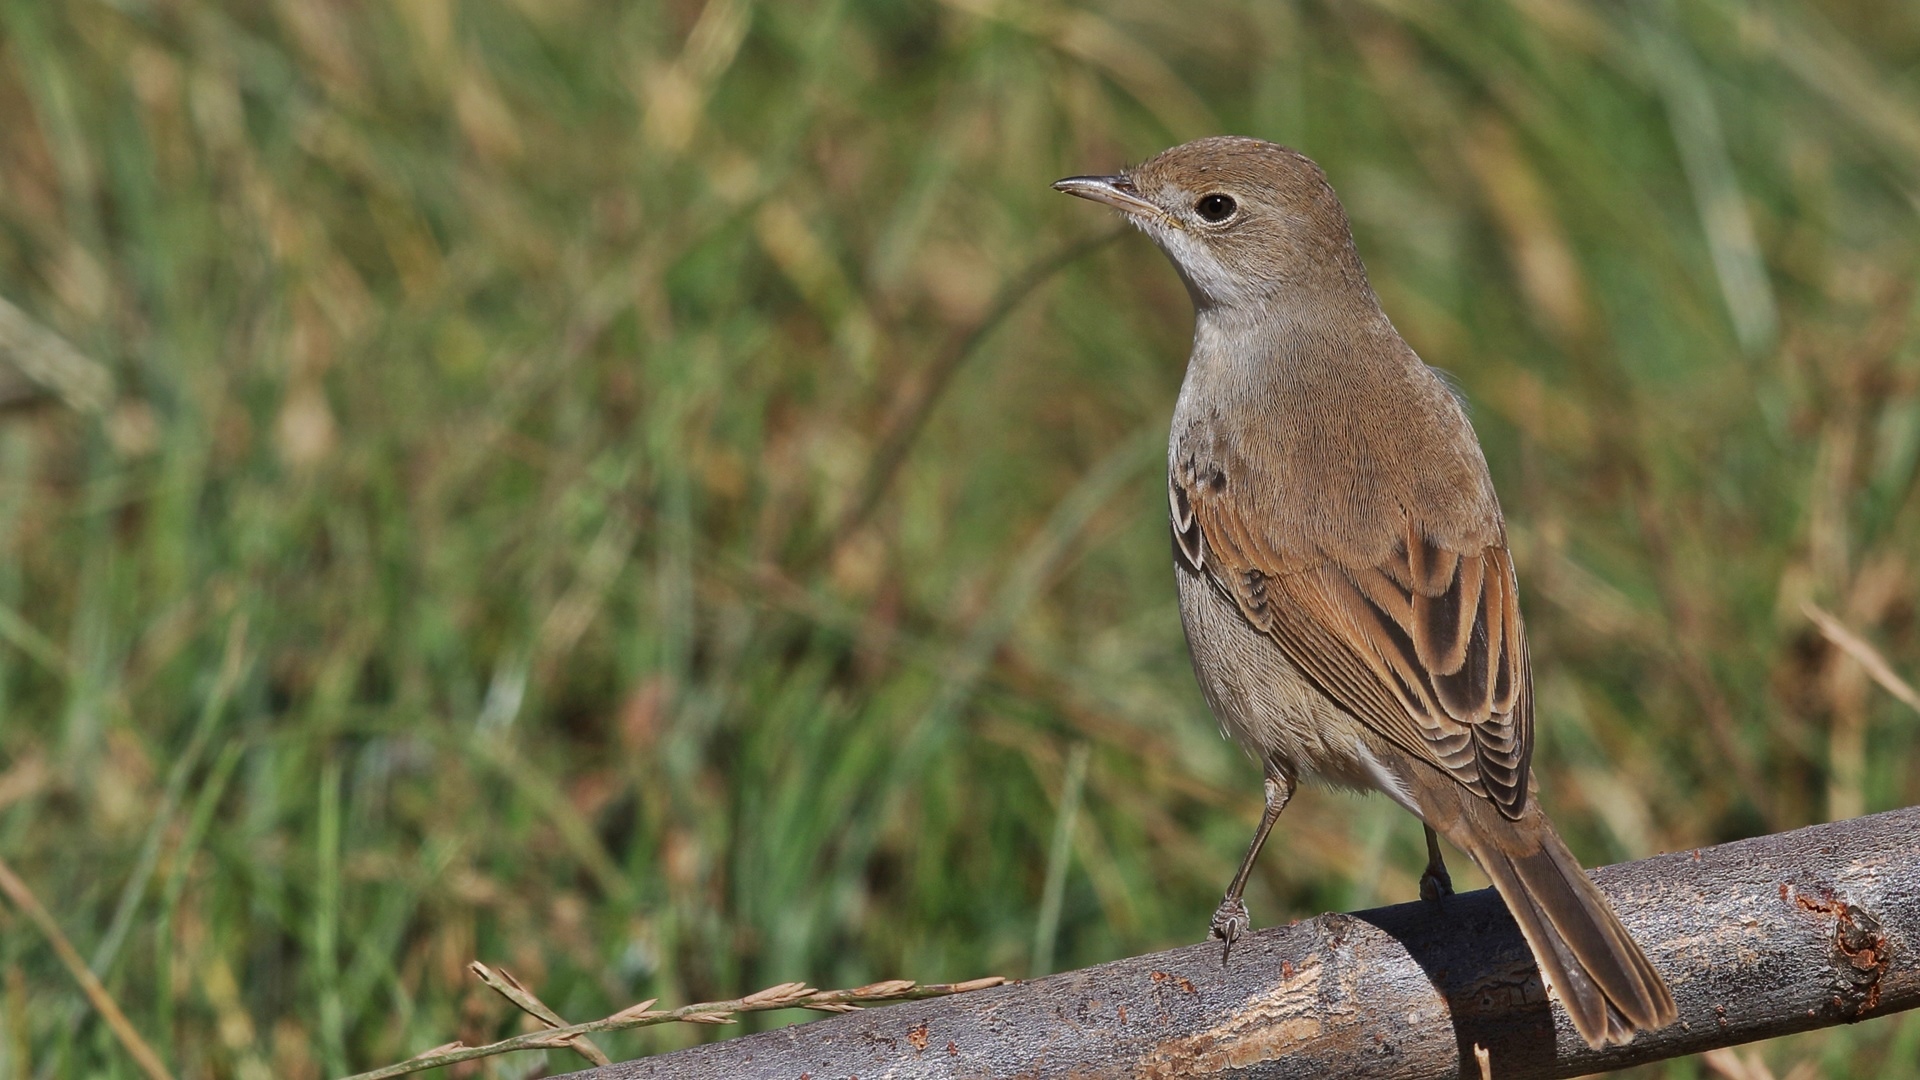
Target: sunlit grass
[473, 558]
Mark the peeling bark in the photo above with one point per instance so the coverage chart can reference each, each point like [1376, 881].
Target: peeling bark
[1763, 937]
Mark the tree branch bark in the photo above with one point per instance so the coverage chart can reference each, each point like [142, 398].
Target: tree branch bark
[1763, 937]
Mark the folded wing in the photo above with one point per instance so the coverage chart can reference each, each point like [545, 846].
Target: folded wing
[1425, 646]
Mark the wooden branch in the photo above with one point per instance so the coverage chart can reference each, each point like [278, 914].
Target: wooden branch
[1758, 938]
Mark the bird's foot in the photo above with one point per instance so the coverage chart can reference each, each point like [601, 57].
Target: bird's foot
[1230, 924]
[1435, 883]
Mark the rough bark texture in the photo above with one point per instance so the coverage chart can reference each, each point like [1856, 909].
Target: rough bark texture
[1762, 937]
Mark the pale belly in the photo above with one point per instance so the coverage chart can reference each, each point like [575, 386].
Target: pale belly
[1265, 703]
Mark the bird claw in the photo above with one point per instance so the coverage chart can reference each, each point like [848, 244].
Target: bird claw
[1435, 884]
[1230, 924]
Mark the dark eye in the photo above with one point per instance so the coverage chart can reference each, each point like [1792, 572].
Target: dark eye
[1216, 207]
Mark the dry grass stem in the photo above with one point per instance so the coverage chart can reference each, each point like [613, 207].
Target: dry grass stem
[109, 1009]
[792, 995]
[1864, 654]
[49, 362]
[916, 401]
[503, 983]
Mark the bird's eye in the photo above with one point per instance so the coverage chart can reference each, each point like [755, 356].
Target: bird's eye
[1216, 207]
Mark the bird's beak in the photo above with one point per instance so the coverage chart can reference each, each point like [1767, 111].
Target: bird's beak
[1117, 192]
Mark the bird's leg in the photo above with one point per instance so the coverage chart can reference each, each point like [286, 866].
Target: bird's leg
[1230, 919]
[1435, 883]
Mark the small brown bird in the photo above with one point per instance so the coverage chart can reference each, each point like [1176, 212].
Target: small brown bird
[1342, 563]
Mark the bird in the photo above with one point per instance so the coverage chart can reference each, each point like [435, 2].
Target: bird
[1344, 577]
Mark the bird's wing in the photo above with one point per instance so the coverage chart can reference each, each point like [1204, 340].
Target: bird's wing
[1426, 647]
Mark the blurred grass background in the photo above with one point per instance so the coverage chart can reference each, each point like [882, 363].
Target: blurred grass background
[663, 497]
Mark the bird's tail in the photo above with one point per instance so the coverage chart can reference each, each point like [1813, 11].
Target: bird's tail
[1602, 978]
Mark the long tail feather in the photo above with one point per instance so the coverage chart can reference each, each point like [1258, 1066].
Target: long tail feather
[1600, 975]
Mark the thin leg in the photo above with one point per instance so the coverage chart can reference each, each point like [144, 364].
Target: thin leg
[1435, 883]
[1230, 919]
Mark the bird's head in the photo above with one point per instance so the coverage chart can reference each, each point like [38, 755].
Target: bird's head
[1243, 220]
